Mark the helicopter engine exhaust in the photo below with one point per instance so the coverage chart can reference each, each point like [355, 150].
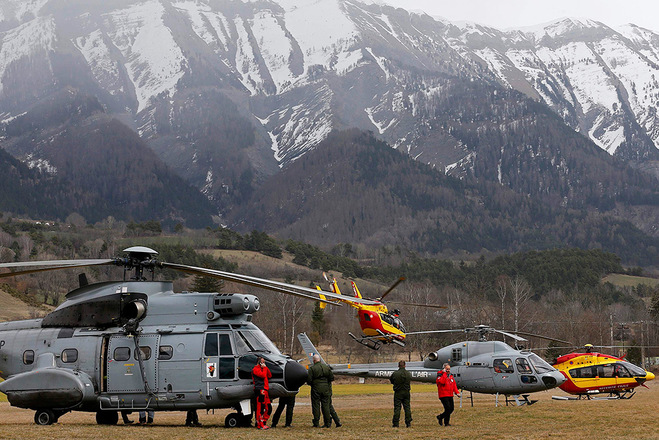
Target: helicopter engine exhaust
[135, 310]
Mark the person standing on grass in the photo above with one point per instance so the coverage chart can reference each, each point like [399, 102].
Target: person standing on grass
[401, 379]
[446, 387]
[320, 378]
[260, 375]
[287, 402]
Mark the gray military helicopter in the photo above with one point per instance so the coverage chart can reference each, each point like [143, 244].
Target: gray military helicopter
[135, 344]
[490, 367]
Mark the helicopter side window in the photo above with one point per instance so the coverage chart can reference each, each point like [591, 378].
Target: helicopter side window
[165, 352]
[503, 366]
[583, 373]
[607, 370]
[121, 354]
[210, 347]
[367, 317]
[523, 366]
[146, 353]
[225, 345]
[456, 355]
[69, 355]
[621, 371]
[28, 357]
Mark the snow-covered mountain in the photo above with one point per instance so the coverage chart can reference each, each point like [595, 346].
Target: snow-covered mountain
[229, 91]
[603, 82]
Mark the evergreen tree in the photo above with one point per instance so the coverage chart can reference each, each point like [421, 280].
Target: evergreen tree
[318, 321]
[207, 284]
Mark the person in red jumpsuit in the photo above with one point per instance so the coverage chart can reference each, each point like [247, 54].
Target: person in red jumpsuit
[260, 375]
[446, 387]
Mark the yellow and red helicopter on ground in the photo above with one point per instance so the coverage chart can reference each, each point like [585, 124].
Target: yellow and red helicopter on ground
[590, 373]
[379, 326]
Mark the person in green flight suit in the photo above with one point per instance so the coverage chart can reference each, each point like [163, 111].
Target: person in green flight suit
[401, 380]
[319, 378]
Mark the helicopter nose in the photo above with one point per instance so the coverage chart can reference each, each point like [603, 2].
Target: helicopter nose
[295, 375]
[649, 376]
[553, 379]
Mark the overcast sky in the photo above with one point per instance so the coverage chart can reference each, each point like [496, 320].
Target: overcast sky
[505, 14]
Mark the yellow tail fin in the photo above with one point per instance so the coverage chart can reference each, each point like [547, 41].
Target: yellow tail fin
[355, 290]
[323, 297]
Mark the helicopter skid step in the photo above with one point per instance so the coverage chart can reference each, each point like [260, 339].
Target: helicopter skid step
[370, 343]
[390, 338]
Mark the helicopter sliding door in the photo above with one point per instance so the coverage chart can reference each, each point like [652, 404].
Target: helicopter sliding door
[219, 361]
[123, 366]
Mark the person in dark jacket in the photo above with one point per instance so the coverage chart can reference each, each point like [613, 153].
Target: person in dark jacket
[446, 387]
[192, 419]
[319, 378]
[287, 402]
[260, 375]
[401, 379]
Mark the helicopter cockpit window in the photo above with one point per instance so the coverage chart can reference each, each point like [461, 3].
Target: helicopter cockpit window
[256, 340]
[539, 364]
[146, 353]
[523, 366]
[28, 357]
[121, 354]
[503, 366]
[210, 347]
[165, 352]
[633, 369]
[70, 355]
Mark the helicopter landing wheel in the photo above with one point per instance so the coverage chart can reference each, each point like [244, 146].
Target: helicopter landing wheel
[233, 420]
[45, 417]
[107, 417]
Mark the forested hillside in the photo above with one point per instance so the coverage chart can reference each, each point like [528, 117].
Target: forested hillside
[93, 165]
[558, 292]
[356, 189]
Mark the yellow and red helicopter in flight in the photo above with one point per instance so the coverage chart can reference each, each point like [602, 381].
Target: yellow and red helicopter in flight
[590, 373]
[379, 326]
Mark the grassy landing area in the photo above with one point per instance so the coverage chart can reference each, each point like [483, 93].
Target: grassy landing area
[368, 416]
[629, 281]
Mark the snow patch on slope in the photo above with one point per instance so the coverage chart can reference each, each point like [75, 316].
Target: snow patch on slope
[20, 9]
[155, 63]
[104, 68]
[275, 47]
[36, 36]
[320, 28]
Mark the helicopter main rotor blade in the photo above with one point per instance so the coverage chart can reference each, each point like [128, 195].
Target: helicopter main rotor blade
[393, 286]
[542, 337]
[510, 335]
[276, 286]
[51, 265]
[434, 306]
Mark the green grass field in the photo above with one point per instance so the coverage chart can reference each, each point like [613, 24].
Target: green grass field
[628, 281]
[365, 411]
